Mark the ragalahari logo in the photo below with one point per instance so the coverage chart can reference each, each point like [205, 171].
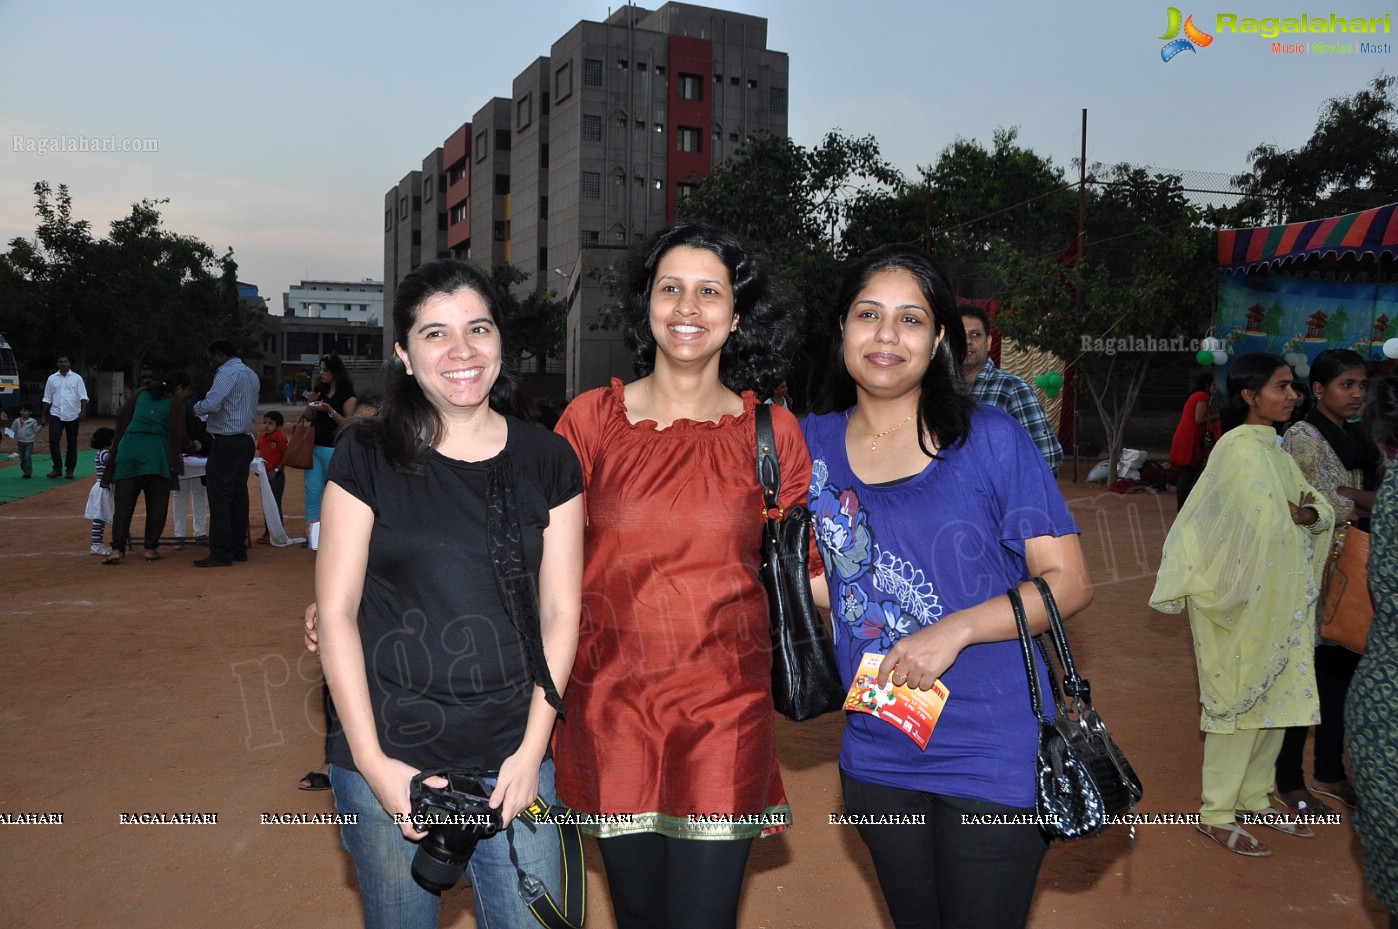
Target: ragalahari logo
[1192, 35]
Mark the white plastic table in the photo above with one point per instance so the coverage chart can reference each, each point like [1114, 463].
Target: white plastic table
[194, 468]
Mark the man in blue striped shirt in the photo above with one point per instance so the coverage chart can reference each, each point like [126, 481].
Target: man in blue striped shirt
[231, 407]
[988, 384]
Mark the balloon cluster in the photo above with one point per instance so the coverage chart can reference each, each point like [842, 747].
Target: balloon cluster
[1212, 352]
[1051, 383]
[1299, 363]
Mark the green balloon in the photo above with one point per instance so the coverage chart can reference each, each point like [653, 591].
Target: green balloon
[1204, 358]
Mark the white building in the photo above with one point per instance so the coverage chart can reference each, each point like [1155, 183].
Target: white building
[356, 301]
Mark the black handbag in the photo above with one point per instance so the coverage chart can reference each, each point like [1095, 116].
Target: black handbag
[805, 681]
[1082, 778]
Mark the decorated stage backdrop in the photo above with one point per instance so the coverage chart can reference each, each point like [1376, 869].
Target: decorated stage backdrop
[1279, 313]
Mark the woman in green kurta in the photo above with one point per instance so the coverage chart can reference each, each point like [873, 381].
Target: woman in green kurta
[146, 458]
[1245, 555]
[1371, 725]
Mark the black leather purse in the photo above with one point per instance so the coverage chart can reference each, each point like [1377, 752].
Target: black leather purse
[1081, 777]
[805, 681]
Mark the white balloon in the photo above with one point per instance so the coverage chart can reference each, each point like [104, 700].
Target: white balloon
[1390, 348]
[1220, 358]
[1294, 358]
[1303, 370]
[1210, 344]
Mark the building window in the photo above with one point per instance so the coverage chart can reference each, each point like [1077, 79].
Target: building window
[543, 103]
[734, 80]
[524, 112]
[459, 214]
[543, 207]
[619, 234]
[619, 179]
[543, 155]
[622, 64]
[718, 78]
[387, 220]
[563, 81]
[690, 139]
[427, 186]
[684, 190]
[591, 128]
[592, 72]
[502, 140]
[638, 181]
[402, 207]
[482, 149]
[501, 232]
[691, 87]
[543, 259]
[640, 66]
[658, 184]
[591, 184]
[502, 184]
[659, 69]
[621, 121]
[659, 127]
[732, 136]
[640, 124]
[752, 84]
[776, 99]
[590, 237]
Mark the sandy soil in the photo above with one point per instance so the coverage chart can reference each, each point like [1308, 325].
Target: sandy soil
[158, 688]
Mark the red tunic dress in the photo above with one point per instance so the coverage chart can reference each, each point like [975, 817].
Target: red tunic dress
[670, 726]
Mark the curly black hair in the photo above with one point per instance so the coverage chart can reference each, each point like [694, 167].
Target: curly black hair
[757, 354]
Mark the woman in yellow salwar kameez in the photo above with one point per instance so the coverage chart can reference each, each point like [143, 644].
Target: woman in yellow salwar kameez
[1245, 554]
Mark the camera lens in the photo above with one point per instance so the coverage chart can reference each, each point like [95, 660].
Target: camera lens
[442, 856]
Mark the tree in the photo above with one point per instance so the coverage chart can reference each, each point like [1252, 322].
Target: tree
[794, 206]
[1149, 280]
[537, 322]
[144, 297]
[1350, 162]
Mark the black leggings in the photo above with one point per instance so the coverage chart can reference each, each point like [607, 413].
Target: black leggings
[946, 873]
[658, 882]
[1334, 668]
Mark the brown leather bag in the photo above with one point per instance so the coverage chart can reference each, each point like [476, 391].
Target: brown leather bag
[301, 448]
[1348, 608]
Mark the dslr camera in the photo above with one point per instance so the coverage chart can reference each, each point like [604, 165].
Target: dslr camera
[456, 817]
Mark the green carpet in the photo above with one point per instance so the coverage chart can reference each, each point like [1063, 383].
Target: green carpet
[13, 486]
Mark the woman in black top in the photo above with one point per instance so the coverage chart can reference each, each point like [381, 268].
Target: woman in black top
[449, 589]
[327, 407]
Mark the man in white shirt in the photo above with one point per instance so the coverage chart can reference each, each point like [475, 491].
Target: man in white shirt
[65, 405]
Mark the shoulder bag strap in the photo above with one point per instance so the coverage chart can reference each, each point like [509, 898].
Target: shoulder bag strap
[1026, 648]
[1073, 683]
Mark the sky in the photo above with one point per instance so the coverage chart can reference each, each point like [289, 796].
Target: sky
[274, 128]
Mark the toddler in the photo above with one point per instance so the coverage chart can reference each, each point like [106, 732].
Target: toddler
[271, 447]
[26, 429]
[99, 499]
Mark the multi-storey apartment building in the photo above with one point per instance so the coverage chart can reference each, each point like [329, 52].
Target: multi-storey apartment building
[592, 152]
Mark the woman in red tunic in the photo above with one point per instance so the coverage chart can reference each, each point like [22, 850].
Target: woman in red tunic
[1187, 450]
[669, 738]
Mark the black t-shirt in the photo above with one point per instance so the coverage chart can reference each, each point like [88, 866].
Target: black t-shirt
[324, 424]
[446, 668]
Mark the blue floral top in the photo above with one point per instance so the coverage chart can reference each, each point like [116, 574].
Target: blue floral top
[901, 556]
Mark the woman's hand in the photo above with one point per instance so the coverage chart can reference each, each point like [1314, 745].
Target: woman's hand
[1302, 513]
[919, 659]
[517, 786]
[391, 781]
[311, 637]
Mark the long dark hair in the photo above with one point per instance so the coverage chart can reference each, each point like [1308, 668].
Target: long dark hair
[1381, 410]
[943, 408]
[1249, 372]
[344, 384]
[163, 388]
[756, 355]
[407, 422]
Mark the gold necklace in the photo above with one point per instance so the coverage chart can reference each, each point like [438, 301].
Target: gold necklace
[874, 446]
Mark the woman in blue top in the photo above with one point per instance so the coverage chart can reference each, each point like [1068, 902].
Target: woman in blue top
[927, 508]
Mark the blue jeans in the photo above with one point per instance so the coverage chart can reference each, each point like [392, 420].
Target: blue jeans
[26, 458]
[383, 860]
[315, 482]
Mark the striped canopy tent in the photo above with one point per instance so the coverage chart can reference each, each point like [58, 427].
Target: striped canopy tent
[1372, 233]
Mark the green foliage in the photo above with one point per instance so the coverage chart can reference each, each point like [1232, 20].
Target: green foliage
[1350, 162]
[537, 322]
[142, 298]
[795, 206]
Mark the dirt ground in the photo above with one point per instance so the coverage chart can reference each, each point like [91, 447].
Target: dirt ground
[159, 688]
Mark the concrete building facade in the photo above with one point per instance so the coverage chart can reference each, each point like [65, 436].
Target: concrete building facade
[592, 152]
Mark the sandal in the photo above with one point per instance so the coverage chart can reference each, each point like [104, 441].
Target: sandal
[151, 554]
[113, 558]
[315, 780]
[1302, 802]
[1236, 839]
[1275, 819]
[1340, 790]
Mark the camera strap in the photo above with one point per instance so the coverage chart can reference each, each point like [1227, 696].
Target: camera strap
[572, 868]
